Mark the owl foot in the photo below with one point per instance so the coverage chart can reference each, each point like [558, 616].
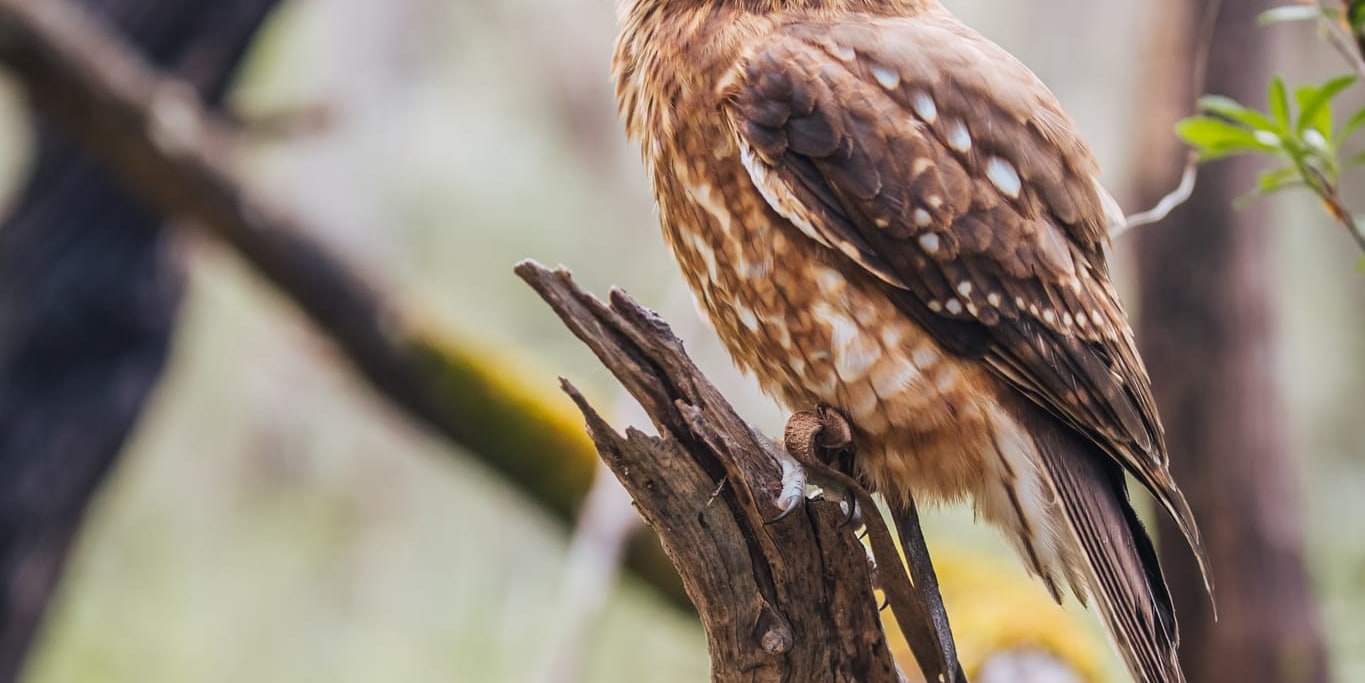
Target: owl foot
[823, 438]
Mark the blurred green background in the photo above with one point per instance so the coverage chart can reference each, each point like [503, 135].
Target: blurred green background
[273, 520]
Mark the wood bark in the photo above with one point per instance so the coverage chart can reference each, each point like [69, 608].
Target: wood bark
[1208, 333]
[789, 600]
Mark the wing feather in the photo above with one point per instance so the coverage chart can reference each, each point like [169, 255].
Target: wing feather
[939, 164]
[1127, 588]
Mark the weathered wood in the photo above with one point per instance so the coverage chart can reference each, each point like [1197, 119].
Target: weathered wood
[789, 600]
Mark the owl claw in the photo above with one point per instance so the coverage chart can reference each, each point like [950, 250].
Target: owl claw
[793, 492]
[795, 481]
[849, 505]
[816, 437]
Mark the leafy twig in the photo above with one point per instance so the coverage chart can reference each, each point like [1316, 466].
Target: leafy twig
[1307, 140]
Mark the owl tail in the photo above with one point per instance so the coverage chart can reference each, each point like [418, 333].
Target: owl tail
[1114, 558]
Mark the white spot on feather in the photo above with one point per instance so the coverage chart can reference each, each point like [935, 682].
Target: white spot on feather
[993, 299]
[958, 137]
[1003, 176]
[705, 252]
[891, 336]
[705, 196]
[923, 219]
[886, 76]
[755, 270]
[829, 280]
[929, 241]
[953, 306]
[924, 107]
[747, 317]
[845, 53]
[892, 378]
[964, 288]
[780, 334]
[924, 358]
[854, 352]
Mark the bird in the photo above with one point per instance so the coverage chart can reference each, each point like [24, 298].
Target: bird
[883, 212]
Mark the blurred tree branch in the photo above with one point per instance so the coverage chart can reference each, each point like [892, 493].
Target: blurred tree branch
[177, 156]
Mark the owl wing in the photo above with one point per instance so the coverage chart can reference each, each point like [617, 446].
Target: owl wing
[939, 164]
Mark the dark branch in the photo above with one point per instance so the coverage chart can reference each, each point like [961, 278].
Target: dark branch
[89, 294]
[179, 158]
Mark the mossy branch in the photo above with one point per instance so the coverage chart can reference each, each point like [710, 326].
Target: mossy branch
[180, 157]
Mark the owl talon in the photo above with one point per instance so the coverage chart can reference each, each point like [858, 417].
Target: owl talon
[793, 492]
[820, 436]
[848, 502]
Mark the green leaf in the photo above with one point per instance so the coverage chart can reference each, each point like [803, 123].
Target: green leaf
[1351, 126]
[1360, 265]
[1291, 13]
[1233, 110]
[1216, 138]
[1278, 101]
[1356, 160]
[1315, 104]
[1279, 179]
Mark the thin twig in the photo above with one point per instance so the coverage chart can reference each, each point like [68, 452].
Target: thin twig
[1168, 203]
[1188, 178]
[1336, 207]
[1342, 41]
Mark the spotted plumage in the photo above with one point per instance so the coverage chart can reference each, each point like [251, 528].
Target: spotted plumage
[884, 212]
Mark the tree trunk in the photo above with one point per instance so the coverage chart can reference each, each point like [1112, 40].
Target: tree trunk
[1208, 334]
[89, 292]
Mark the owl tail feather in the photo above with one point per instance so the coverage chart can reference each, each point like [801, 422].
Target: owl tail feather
[1116, 559]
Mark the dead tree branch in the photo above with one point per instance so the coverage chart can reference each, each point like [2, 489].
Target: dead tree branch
[790, 600]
